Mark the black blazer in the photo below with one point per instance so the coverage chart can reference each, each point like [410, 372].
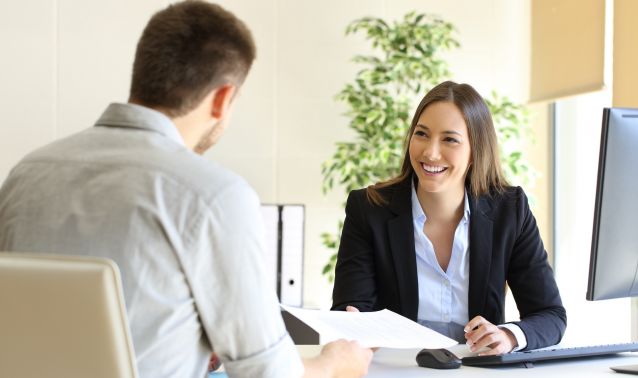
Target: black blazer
[376, 264]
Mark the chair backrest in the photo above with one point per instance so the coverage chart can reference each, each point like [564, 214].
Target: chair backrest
[63, 316]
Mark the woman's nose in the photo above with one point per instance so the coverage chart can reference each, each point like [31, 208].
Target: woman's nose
[432, 151]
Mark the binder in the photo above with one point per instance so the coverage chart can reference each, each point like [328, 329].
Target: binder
[284, 226]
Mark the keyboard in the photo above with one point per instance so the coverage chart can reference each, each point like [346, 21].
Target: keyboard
[556, 353]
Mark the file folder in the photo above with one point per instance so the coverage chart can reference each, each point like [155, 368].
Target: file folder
[284, 250]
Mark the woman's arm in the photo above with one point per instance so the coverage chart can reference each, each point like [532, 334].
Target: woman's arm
[531, 279]
[355, 283]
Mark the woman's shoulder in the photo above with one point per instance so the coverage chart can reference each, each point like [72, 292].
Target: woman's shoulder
[507, 199]
[379, 196]
[507, 193]
[379, 199]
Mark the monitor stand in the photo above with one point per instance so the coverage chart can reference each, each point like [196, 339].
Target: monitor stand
[627, 369]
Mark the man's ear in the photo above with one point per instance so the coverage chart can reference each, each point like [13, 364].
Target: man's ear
[222, 99]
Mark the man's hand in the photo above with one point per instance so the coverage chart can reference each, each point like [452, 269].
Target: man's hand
[345, 359]
[214, 363]
[480, 333]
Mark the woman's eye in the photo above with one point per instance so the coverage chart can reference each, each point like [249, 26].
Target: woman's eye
[419, 133]
[452, 140]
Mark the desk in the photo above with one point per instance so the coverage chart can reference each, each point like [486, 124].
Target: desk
[394, 363]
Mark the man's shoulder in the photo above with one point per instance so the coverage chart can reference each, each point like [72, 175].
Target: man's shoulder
[56, 148]
[198, 176]
[206, 177]
[138, 156]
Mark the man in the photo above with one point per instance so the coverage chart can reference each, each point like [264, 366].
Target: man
[185, 232]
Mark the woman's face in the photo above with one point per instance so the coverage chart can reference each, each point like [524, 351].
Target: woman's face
[440, 148]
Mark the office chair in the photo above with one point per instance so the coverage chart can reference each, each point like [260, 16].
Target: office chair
[63, 316]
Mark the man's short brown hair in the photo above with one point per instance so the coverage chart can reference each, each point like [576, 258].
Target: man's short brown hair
[185, 51]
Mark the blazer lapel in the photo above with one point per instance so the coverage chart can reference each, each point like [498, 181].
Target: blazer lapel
[401, 235]
[480, 253]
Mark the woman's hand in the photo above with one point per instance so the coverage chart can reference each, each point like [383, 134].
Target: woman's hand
[480, 334]
[354, 309]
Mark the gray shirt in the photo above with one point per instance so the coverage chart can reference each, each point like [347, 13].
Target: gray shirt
[185, 232]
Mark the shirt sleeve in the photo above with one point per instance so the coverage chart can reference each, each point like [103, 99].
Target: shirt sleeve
[521, 340]
[235, 300]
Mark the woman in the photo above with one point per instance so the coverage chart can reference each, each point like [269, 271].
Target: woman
[439, 242]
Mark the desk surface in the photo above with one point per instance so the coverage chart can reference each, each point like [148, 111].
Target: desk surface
[392, 363]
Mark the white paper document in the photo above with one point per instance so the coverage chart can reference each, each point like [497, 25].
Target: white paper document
[371, 329]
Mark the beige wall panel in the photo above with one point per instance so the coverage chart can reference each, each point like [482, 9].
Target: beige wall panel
[313, 63]
[249, 146]
[625, 87]
[567, 47]
[300, 182]
[96, 46]
[27, 78]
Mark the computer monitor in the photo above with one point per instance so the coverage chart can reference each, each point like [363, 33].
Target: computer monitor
[613, 266]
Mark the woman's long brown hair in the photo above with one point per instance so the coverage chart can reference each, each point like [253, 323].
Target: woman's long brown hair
[485, 172]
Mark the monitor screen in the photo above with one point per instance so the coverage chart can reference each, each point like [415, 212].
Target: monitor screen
[613, 266]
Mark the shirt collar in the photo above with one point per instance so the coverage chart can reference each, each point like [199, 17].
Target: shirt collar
[417, 210]
[139, 117]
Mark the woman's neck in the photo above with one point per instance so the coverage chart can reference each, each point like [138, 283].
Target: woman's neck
[444, 207]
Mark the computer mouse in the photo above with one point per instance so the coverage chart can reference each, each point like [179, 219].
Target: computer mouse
[437, 359]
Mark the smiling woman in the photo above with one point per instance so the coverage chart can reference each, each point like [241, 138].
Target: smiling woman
[461, 109]
[439, 242]
[440, 149]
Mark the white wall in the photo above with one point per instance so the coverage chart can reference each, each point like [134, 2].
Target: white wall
[63, 61]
